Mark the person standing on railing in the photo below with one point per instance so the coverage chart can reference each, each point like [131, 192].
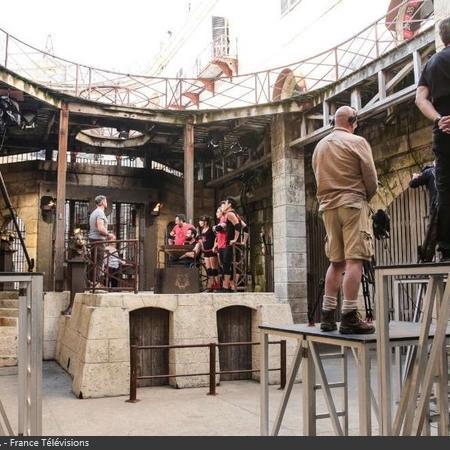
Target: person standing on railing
[433, 100]
[346, 181]
[98, 231]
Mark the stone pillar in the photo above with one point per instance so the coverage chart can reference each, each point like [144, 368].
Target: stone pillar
[289, 212]
[441, 11]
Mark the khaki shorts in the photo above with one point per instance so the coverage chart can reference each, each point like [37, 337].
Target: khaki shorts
[349, 233]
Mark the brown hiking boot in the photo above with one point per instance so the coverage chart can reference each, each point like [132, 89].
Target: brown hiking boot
[328, 320]
[351, 323]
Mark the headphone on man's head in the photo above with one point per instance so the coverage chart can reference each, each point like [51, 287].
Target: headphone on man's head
[351, 120]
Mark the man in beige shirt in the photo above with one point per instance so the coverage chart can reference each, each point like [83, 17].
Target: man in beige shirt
[346, 180]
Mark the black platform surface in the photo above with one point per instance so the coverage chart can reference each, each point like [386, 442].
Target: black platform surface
[398, 331]
[444, 264]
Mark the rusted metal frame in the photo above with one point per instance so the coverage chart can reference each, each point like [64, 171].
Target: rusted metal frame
[212, 365]
[58, 267]
[321, 63]
[358, 53]
[93, 281]
[173, 92]
[156, 377]
[92, 259]
[232, 85]
[188, 171]
[212, 369]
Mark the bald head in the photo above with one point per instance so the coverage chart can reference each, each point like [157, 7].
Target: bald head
[342, 116]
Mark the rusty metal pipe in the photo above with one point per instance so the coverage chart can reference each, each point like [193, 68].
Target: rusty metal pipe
[212, 369]
[133, 375]
[283, 364]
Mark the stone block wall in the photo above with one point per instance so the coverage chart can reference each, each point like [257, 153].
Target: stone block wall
[93, 344]
[54, 304]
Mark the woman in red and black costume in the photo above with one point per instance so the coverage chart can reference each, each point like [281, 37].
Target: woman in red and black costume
[207, 238]
[228, 233]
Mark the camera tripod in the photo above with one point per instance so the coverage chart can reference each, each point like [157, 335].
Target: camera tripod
[368, 291]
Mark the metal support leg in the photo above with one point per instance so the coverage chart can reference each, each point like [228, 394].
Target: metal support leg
[309, 392]
[421, 357]
[365, 411]
[443, 394]
[288, 390]
[383, 350]
[435, 355]
[264, 415]
[22, 361]
[345, 351]
[326, 391]
[37, 313]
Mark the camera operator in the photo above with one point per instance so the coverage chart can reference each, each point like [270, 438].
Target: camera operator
[427, 177]
[346, 180]
[433, 99]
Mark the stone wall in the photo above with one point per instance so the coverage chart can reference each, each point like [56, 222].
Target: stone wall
[54, 304]
[289, 216]
[93, 344]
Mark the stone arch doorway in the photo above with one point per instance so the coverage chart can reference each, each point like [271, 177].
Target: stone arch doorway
[234, 324]
[150, 326]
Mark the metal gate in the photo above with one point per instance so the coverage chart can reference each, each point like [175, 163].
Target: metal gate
[409, 219]
[18, 256]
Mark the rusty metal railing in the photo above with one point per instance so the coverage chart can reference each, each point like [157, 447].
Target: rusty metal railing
[134, 377]
[404, 22]
[113, 269]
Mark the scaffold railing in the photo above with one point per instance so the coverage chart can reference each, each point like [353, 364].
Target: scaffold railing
[404, 22]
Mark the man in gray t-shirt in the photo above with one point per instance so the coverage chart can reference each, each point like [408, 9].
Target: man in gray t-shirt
[98, 231]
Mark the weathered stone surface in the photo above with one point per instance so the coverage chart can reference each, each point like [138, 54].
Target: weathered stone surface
[96, 353]
[94, 350]
[102, 380]
[119, 350]
[108, 323]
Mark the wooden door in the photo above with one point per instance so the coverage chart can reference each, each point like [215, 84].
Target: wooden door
[150, 326]
[235, 325]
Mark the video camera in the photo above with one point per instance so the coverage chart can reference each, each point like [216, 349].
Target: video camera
[381, 225]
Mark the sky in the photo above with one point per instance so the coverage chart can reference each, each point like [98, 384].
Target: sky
[115, 34]
[121, 35]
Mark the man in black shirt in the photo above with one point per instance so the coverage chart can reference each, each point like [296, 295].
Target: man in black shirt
[433, 99]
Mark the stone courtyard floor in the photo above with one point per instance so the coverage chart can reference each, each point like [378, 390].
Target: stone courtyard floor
[165, 411]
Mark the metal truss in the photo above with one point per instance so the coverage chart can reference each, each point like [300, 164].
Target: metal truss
[228, 90]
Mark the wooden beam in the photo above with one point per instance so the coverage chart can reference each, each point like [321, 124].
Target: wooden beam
[239, 171]
[189, 171]
[58, 267]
